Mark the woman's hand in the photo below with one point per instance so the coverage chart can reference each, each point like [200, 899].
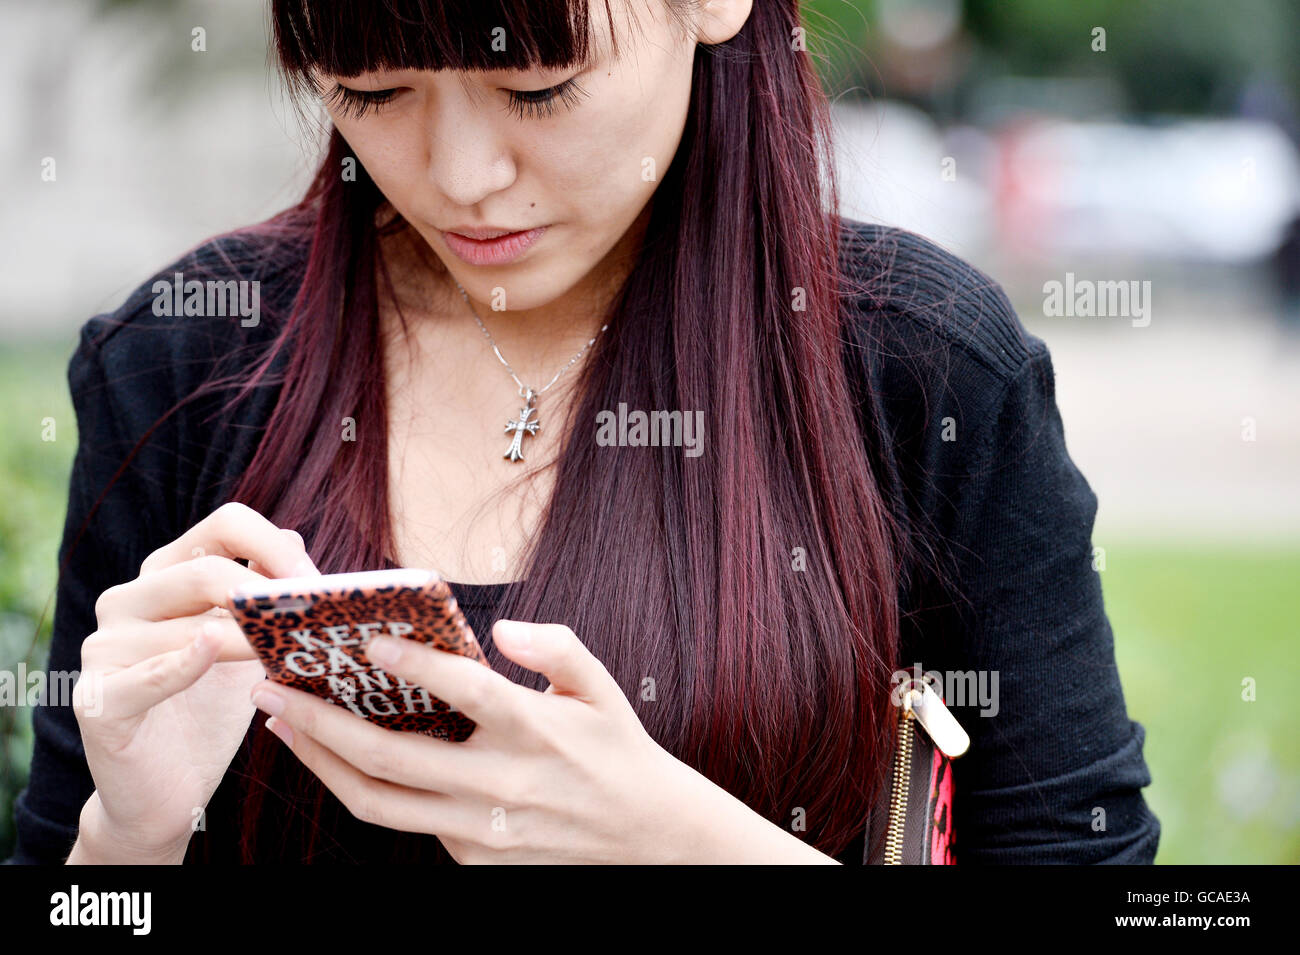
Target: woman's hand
[162, 701]
[568, 775]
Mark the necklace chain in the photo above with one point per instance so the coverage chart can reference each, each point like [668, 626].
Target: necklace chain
[524, 391]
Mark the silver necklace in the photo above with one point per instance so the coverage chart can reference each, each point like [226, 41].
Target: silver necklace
[525, 423]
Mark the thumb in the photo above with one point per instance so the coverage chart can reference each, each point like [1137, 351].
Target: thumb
[555, 651]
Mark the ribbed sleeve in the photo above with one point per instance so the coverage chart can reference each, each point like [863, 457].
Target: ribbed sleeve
[100, 548]
[1056, 775]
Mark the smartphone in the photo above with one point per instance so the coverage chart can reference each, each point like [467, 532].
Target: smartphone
[311, 633]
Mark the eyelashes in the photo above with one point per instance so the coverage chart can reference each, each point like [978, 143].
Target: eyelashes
[526, 104]
[357, 103]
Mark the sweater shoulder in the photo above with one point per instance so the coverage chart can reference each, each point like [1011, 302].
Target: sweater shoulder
[146, 378]
[922, 305]
[216, 303]
[943, 375]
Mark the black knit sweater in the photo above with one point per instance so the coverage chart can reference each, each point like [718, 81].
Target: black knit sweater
[963, 432]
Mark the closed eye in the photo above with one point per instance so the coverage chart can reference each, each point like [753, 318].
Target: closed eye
[534, 103]
[525, 104]
[356, 103]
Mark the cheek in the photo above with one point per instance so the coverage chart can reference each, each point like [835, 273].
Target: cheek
[392, 155]
[615, 151]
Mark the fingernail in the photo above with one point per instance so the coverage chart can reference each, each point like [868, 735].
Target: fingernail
[384, 651]
[305, 568]
[516, 632]
[281, 729]
[268, 702]
[209, 631]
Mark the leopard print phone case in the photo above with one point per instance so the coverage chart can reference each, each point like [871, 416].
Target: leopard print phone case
[311, 634]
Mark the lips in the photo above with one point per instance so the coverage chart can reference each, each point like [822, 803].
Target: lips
[487, 246]
[484, 232]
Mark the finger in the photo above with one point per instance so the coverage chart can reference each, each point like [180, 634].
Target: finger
[237, 531]
[377, 801]
[126, 644]
[482, 694]
[407, 759]
[554, 651]
[190, 587]
[141, 687]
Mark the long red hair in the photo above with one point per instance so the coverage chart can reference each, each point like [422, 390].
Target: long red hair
[756, 584]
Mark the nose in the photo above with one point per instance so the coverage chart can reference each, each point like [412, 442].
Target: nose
[468, 158]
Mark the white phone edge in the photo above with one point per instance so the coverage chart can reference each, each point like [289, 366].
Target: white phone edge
[335, 583]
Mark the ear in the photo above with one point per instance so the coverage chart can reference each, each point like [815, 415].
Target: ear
[717, 21]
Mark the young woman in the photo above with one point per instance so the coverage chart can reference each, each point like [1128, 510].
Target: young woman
[693, 644]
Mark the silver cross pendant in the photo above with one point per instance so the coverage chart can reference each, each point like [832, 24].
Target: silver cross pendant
[521, 427]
